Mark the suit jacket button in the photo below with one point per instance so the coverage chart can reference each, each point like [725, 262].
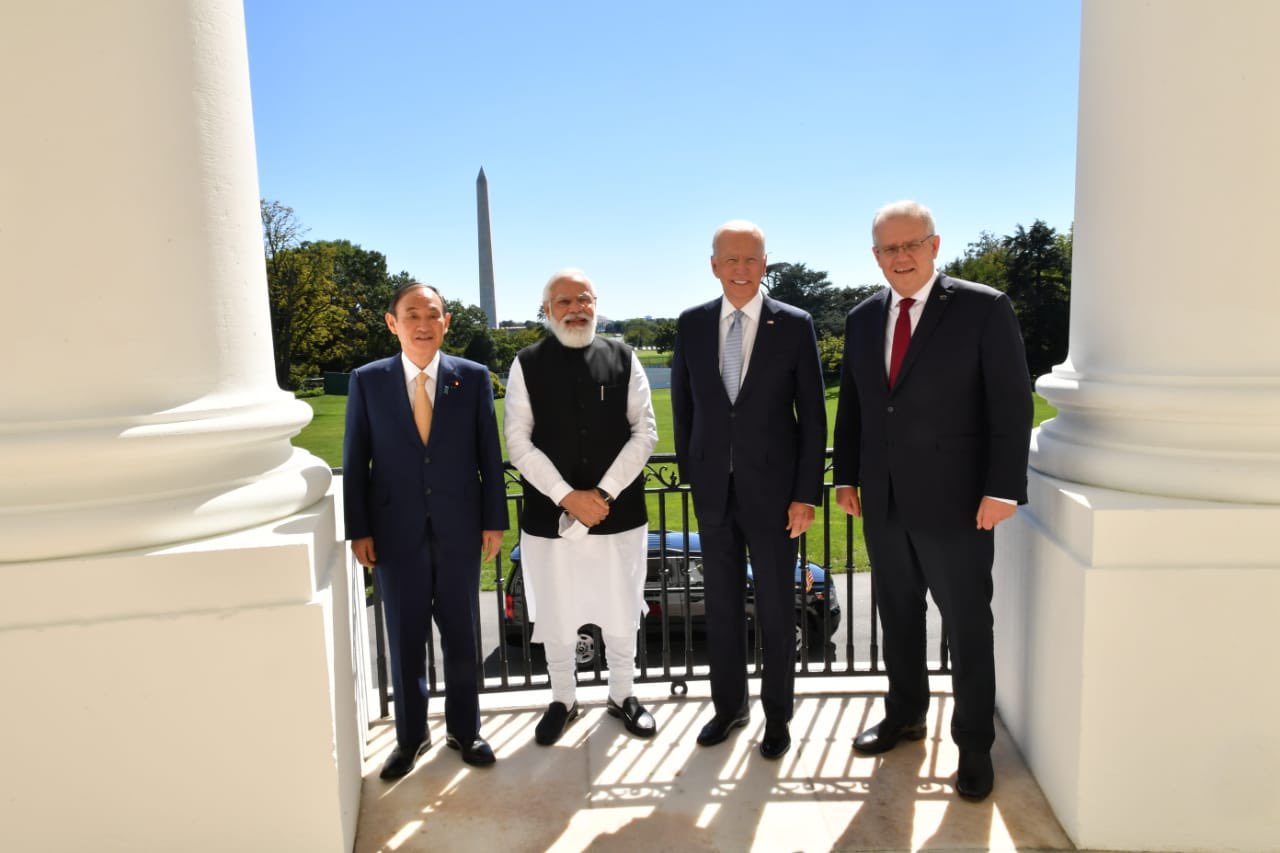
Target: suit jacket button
[891, 410]
[428, 491]
[426, 460]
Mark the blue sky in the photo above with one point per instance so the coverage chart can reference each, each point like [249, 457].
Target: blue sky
[617, 137]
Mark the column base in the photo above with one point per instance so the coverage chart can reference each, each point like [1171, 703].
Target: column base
[1199, 438]
[195, 697]
[1136, 668]
[134, 482]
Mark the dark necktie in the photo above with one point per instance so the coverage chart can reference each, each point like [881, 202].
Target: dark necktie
[901, 339]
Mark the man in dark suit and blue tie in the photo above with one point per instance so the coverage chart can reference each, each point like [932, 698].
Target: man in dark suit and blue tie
[750, 433]
[932, 436]
[424, 498]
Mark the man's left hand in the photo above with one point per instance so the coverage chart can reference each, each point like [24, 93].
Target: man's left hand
[991, 512]
[799, 517]
[490, 544]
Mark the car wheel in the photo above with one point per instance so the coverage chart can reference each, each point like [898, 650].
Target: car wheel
[816, 635]
[589, 647]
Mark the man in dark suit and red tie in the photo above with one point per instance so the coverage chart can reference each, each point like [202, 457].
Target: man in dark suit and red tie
[750, 433]
[424, 498]
[932, 436]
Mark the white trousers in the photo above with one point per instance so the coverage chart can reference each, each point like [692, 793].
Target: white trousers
[620, 654]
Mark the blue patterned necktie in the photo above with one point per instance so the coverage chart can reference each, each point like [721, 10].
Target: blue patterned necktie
[732, 372]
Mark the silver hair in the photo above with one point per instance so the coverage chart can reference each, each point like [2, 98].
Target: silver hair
[571, 273]
[737, 226]
[906, 207]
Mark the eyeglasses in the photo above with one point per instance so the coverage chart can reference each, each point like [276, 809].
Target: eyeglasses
[910, 248]
[584, 300]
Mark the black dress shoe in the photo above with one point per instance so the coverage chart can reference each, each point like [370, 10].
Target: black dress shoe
[637, 720]
[975, 777]
[401, 761]
[718, 729]
[885, 736]
[477, 753]
[777, 740]
[554, 722]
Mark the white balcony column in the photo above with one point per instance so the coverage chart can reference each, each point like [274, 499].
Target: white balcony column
[1172, 385]
[177, 632]
[140, 400]
[1136, 593]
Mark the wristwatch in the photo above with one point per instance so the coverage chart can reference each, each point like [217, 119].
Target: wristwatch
[608, 498]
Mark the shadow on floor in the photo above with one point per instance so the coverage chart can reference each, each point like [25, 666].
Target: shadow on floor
[601, 790]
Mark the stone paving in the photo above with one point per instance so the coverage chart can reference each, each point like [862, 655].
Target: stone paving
[599, 789]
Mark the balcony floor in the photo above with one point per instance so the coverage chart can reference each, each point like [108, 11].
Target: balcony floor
[600, 789]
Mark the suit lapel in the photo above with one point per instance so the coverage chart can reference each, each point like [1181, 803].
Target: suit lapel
[882, 320]
[448, 381]
[763, 347]
[706, 342]
[939, 300]
[399, 390]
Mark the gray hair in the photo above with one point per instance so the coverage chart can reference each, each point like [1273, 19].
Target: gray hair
[906, 208]
[737, 226]
[571, 273]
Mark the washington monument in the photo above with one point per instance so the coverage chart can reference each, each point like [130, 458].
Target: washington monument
[487, 301]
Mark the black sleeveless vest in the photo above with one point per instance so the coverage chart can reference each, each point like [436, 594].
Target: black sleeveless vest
[579, 403]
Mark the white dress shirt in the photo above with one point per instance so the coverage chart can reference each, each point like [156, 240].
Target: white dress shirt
[916, 310]
[411, 372]
[750, 325]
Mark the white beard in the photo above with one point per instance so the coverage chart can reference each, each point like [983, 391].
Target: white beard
[573, 338]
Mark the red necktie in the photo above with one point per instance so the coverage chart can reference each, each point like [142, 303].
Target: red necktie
[901, 339]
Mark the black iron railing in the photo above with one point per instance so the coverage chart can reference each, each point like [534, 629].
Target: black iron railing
[837, 631]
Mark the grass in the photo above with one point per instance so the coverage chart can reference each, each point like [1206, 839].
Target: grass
[323, 437]
[653, 358]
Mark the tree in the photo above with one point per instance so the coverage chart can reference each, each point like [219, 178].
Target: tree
[308, 312]
[840, 301]
[469, 334]
[664, 335]
[1038, 276]
[361, 276]
[811, 290]
[798, 286]
[508, 342]
[831, 354]
[1034, 267]
[983, 261]
[639, 332]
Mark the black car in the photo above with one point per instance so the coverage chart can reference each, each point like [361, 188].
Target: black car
[673, 586]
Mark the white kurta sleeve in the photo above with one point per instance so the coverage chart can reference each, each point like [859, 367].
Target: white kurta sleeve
[631, 459]
[532, 463]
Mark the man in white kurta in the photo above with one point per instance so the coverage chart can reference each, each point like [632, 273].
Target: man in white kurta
[580, 427]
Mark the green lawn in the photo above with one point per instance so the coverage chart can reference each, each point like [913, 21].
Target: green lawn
[323, 437]
[653, 358]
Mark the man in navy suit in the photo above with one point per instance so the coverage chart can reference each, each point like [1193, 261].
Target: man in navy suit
[424, 497]
[932, 435]
[750, 432]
